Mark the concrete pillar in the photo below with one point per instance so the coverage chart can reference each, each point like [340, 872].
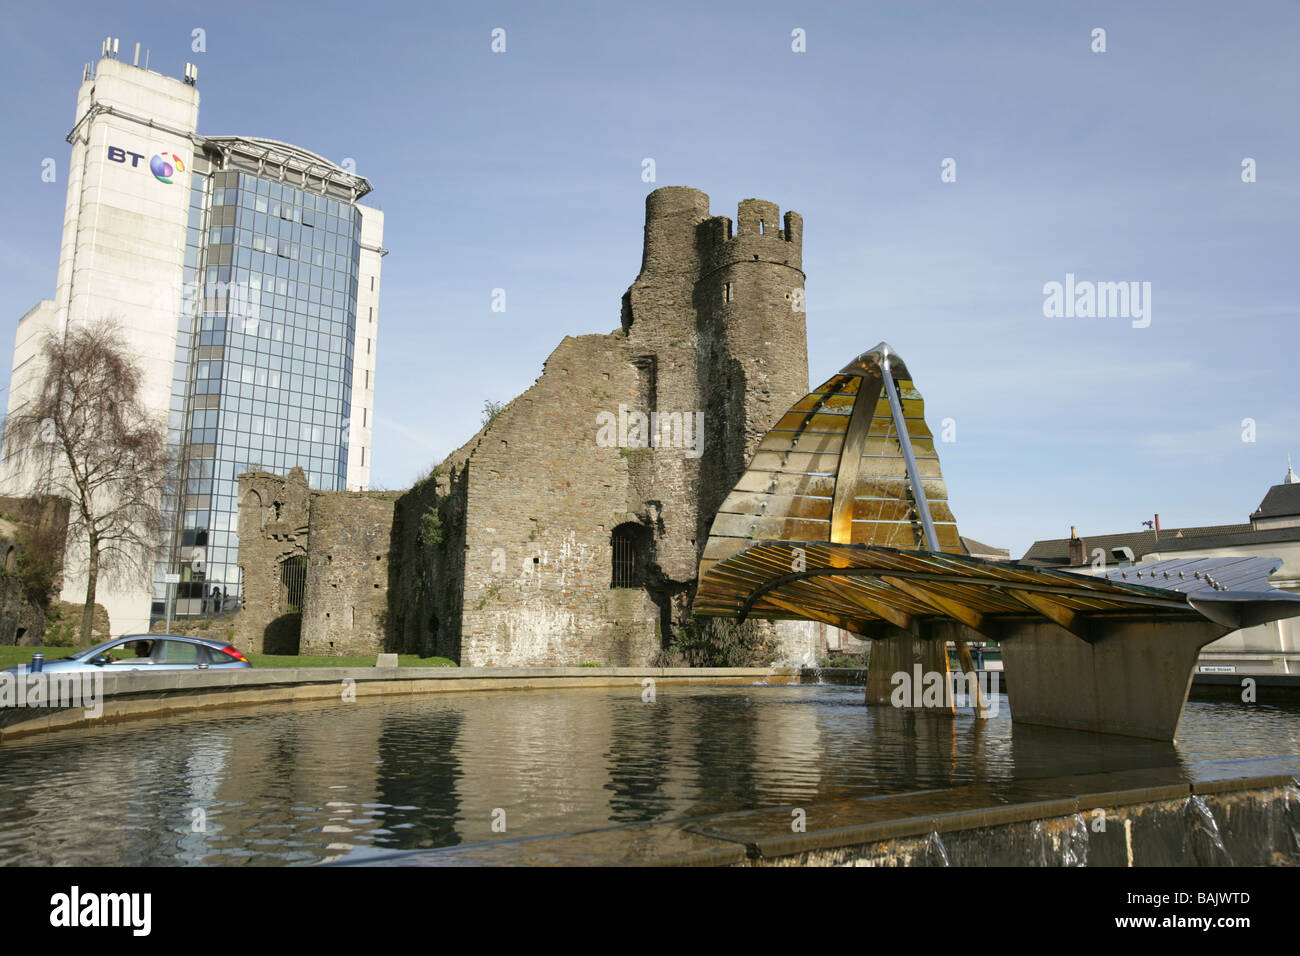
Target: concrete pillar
[1132, 680]
[908, 653]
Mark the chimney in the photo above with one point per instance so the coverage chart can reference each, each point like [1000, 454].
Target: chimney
[1078, 552]
[1157, 524]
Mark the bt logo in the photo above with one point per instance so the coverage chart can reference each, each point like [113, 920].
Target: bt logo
[163, 166]
[162, 170]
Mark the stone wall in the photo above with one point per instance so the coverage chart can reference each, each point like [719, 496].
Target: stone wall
[220, 628]
[33, 538]
[22, 621]
[274, 518]
[427, 566]
[543, 499]
[345, 609]
[335, 601]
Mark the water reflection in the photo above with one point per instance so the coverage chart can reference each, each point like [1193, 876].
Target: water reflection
[307, 783]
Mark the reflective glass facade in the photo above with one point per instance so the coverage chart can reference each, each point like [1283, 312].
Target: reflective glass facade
[263, 366]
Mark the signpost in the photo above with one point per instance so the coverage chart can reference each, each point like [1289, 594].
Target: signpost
[171, 579]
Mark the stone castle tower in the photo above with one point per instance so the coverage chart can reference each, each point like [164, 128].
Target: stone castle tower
[569, 529]
[715, 323]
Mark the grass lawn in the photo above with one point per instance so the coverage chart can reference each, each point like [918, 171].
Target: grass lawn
[9, 656]
[291, 660]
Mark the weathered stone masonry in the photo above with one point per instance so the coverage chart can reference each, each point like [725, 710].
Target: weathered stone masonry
[506, 554]
[302, 600]
[33, 522]
[273, 517]
[347, 573]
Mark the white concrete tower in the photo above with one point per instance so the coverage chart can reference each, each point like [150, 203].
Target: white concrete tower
[121, 255]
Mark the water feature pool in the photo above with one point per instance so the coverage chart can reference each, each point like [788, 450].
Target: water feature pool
[299, 784]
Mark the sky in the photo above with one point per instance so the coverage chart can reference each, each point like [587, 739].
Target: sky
[522, 170]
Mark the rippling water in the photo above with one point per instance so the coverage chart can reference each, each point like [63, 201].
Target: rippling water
[301, 784]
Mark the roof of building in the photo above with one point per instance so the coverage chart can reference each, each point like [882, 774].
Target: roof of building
[1057, 550]
[979, 547]
[1281, 501]
[294, 159]
[1230, 539]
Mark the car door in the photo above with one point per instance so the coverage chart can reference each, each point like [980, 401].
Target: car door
[173, 655]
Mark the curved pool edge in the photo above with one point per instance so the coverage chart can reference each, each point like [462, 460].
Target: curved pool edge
[1124, 819]
[137, 695]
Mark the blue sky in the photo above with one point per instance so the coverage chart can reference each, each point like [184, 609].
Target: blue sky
[522, 171]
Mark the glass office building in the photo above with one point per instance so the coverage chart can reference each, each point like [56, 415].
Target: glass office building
[264, 361]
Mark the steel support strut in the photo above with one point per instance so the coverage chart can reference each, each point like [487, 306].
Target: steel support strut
[905, 442]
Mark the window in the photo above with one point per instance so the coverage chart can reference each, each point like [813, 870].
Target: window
[293, 582]
[176, 652]
[726, 292]
[134, 653]
[629, 546]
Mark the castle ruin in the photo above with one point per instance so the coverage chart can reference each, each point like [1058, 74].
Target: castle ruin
[569, 529]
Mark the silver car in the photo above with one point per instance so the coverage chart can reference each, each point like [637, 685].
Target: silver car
[148, 652]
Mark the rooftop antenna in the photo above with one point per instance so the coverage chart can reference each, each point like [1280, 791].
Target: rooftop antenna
[136, 61]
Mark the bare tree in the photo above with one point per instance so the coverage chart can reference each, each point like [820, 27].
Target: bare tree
[88, 437]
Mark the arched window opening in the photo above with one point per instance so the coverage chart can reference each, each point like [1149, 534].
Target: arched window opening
[293, 582]
[630, 549]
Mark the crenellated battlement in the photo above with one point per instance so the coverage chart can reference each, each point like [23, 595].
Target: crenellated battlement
[681, 237]
[760, 235]
[757, 218]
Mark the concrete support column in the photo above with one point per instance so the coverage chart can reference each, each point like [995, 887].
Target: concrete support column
[1131, 680]
[912, 653]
